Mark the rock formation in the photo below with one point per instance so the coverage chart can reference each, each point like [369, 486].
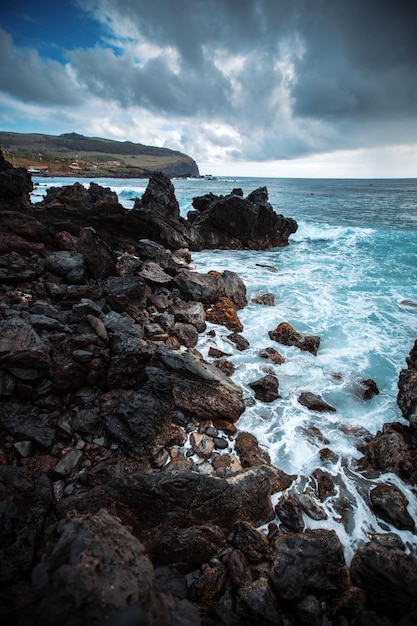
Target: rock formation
[128, 496]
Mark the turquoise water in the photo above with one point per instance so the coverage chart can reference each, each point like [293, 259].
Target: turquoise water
[348, 275]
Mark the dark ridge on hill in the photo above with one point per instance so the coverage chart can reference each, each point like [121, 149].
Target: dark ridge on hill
[72, 153]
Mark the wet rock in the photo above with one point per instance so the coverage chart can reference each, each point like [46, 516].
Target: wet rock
[328, 456]
[310, 506]
[186, 334]
[202, 445]
[216, 354]
[226, 465]
[314, 402]
[391, 504]
[95, 567]
[266, 388]
[389, 578]
[324, 484]
[285, 334]
[249, 451]
[369, 389]
[238, 569]
[289, 511]
[225, 366]
[156, 216]
[270, 354]
[189, 313]
[392, 450]
[309, 561]
[388, 540]
[266, 299]
[407, 388]
[223, 312]
[240, 342]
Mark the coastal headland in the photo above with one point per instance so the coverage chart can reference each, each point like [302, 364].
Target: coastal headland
[72, 154]
[129, 495]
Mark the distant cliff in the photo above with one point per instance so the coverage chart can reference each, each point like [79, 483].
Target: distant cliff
[72, 154]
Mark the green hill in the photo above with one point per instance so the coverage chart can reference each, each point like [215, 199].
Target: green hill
[72, 154]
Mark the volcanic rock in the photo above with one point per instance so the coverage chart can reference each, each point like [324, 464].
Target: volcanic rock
[285, 334]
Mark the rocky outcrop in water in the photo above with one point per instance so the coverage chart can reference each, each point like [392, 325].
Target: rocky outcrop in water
[128, 496]
[236, 222]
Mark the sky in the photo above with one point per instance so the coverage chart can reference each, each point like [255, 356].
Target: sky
[303, 88]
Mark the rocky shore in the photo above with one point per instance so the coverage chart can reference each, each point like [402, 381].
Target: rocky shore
[129, 496]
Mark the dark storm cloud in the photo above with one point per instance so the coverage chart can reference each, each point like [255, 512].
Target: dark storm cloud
[279, 78]
[353, 63]
[25, 76]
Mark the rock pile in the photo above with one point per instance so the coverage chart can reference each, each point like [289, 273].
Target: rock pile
[127, 494]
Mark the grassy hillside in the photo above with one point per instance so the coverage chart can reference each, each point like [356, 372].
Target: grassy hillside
[72, 154]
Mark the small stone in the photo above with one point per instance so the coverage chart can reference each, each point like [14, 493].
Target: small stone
[58, 487]
[68, 463]
[24, 448]
[202, 444]
[311, 507]
[204, 468]
[220, 443]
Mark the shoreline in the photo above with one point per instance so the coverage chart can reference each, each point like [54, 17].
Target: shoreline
[105, 395]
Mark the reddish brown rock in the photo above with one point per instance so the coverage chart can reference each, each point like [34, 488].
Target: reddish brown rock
[249, 451]
[285, 334]
[266, 388]
[223, 312]
[270, 354]
[266, 299]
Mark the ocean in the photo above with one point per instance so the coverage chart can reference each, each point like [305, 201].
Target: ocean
[349, 276]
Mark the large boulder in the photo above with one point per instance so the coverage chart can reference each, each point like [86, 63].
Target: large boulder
[95, 567]
[210, 288]
[199, 389]
[389, 578]
[312, 561]
[236, 222]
